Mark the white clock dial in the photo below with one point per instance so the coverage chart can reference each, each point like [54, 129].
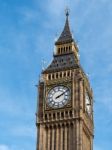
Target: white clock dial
[58, 96]
[88, 103]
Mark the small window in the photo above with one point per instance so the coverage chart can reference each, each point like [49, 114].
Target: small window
[71, 125]
[49, 77]
[45, 116]
[61, 75]
[70, 113]
[56, 75]
[54, 116]
[64, 74]
[66, 113]
[59, 50]
[58, 115]
[52, 76]
[50, 116]
[62, 114]
[66, 49]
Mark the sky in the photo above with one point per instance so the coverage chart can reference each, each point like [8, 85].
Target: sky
[28, 29]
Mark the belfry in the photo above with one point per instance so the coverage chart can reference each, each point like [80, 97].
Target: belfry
[65, 100]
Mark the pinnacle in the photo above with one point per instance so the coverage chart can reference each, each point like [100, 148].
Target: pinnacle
[66, 35]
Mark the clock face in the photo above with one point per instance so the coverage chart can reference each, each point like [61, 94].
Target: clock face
[88, 103]
[58, 96]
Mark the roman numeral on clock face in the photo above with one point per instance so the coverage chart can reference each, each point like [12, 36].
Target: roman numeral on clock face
[58, 96]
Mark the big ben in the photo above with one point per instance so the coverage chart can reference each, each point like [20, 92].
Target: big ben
[64, 117]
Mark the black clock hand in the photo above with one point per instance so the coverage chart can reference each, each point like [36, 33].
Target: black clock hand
[61, 94]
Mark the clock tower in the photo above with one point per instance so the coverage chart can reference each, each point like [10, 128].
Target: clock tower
[65, 100]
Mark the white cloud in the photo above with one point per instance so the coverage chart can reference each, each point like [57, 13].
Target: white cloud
[4, 147]
[12, 147]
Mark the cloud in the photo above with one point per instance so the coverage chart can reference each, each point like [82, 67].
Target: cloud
[13, 147]
[4, 147]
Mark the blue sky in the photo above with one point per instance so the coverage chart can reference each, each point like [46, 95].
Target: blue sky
[28, 29]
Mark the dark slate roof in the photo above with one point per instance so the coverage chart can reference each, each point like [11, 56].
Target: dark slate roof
[66, 35]
[62, 62]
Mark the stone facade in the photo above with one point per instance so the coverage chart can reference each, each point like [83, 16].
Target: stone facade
[70, 127]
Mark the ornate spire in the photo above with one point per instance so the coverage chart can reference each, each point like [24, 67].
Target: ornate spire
[66, 35]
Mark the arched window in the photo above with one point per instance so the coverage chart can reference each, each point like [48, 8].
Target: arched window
[64, 74]
[49, 77]
[62, 114]
[70, 113]
[66, 48]
[54, 116]
[45, 116]
[69, 48]
[52, 76]
[61, 75]
[59, 50]
[56, 75]
[58, 114]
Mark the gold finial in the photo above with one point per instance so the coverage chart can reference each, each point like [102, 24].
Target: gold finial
[67, 10]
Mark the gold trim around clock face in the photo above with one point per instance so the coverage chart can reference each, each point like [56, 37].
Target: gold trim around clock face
[58, 96]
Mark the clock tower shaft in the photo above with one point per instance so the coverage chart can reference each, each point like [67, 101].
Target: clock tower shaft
[65, 117]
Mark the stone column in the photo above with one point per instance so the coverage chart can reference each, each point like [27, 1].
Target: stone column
[38, 135]
[77, 135]
[48, 136]
[73, 130]
[44, 138]
[52, 137]
[81, 95]
[81, 112]
[81, 135]
[65, 140]
[61, 138]
[69, 137]
[91, 143]
[57, 138]
[73, 91]
[41, 138]
[77, 97]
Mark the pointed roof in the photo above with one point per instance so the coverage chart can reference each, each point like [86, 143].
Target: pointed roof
[66, 36]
